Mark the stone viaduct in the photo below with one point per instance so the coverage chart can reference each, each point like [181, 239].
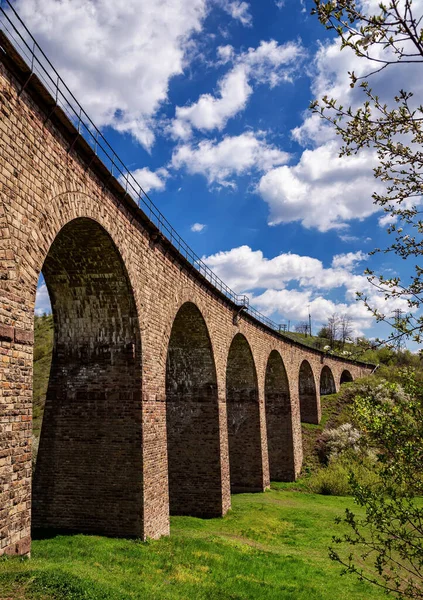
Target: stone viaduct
[163, 396]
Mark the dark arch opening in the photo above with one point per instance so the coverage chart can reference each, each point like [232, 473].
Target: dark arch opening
[192, 417]
[309, 407]
[346, 377]
[279, 420]
[88, 475]
[327, 382]
[243, 413]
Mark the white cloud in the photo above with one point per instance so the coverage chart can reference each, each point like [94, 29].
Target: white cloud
[42, 301]
[197, 227]
[234, 155]
[211, 112]
[117, 57]
[238, 10]
[225, 53]
[151, 180]
[349, 260]
[269, 63]
[245, 269]
[322, 191]
[387, 219]
[291, 282]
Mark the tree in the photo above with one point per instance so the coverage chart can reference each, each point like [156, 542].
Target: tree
[391, 533]
[391, 36]
[345, 328]
[333, 328]
[389, 537]
[323, 333]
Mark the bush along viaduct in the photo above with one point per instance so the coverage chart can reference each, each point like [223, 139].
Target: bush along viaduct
[166, 394]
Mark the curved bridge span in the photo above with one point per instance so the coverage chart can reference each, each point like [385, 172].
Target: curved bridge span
[164, 394]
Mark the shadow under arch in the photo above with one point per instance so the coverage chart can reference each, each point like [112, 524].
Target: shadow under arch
[346, 377]
[89, 468]
[243, 417]
[192, 418]
[278, 420]
[309, 402]
[327, 382]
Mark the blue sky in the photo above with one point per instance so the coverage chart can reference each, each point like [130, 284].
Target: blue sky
[206, 103]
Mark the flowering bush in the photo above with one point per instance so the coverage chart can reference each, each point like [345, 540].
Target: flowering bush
[336, 441]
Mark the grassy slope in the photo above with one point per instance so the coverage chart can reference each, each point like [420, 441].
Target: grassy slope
[335, 411]
[270, 546]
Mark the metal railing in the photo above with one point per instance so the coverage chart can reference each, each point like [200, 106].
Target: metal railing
[38, 63]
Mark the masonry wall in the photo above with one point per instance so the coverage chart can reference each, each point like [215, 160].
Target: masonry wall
[89, 464]
[279, 420]
[192, 419]
[44, 189]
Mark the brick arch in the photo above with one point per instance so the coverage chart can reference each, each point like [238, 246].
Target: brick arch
[309, 401]
[61, 208]
[346, 377]
[243, 418]
[327, 382]
[89, 467]
[278, 420]
[187, 296]
[192, 418]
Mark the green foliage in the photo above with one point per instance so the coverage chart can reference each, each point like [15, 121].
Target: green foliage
[391, 532]
[334, 480]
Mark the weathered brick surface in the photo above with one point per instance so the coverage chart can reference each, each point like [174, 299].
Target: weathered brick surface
[278, 420]
[309, 404]
[192, 418]
[129, 382]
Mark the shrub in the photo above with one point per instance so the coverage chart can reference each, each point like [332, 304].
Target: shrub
[336, 441]
[334, 480]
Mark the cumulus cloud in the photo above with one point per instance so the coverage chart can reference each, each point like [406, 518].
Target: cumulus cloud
[270, 63]
[211, 112]
[284, 285]
[151, 180]
[348, 260]
[197, 227]
[233, 155]
[117, 57]
[322, 191]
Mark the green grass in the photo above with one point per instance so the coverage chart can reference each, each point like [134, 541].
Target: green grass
[270, 546]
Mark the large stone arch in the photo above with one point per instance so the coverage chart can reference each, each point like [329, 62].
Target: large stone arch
[192, 418]
[243, 414]
[67, 203]
[346, 377]
[309, 400]
[89, 467]
[327, 382]
[278, 420]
